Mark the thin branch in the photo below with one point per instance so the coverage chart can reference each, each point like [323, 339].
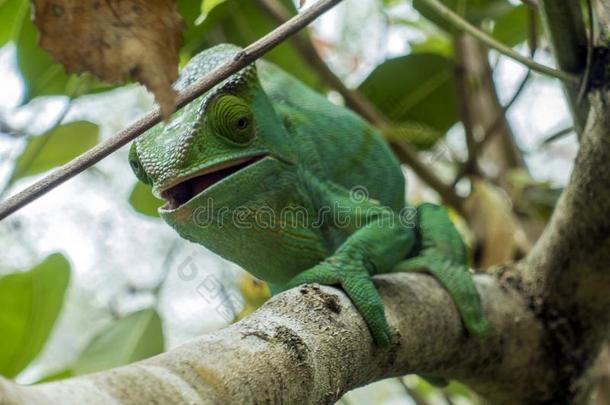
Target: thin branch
[584, 85]
[39, 148]
[415, 396]
[460, 23]
[567, 35]
[493, 129]
[103, 149]
[557, 136]
[354, 99]
[302, 43]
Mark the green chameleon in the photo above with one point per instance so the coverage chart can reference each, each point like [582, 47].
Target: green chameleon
[271, 175]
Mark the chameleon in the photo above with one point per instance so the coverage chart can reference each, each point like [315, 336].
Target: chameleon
[270, 174]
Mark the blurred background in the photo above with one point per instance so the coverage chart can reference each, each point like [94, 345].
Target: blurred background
[94, 279]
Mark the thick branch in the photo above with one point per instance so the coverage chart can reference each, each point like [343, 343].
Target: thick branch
[103, 149]
[572, 258]
[309, 345]
[568, 271]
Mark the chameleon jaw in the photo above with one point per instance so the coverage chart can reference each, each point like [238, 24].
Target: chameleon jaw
[196, 183]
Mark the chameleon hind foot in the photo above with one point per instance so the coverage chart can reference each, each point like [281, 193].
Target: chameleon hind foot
[443, 255]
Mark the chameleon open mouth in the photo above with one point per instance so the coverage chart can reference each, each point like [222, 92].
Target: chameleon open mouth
[181, 193]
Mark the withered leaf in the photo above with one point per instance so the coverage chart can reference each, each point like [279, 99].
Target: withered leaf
[494, 225]
[114, 39]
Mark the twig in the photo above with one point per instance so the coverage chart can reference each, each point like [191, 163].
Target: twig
[557, 136]
[40, 147]
[415, 396]
[302, 43]
[493, 129]
[405, 152]
[584, 85]
[103, 149]
[363, 106]
[464, 25]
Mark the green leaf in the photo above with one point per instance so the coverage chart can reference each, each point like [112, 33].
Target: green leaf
[208, 5]
[143, 200]
[30, 303]
[55, 376]
[433, 44]
[415, 88]
[512, 28]
[55, 148]
[135, 337]
[12, 13]
[419, 135]
[474, 11]
[242, 22]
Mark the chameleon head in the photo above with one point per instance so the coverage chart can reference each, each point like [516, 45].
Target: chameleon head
[218, 136]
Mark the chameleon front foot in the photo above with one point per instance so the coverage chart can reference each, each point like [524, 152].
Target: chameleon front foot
[359, 287]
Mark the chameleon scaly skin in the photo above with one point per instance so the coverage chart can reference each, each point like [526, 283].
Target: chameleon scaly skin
[269, 174]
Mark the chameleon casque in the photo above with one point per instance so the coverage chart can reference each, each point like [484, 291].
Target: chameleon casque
[271, 175]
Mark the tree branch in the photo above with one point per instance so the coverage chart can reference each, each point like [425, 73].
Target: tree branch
[103, 149]
[283, 354]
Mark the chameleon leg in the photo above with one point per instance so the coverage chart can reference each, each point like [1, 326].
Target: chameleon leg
[377, 240]
[442, 254]
[357, 284]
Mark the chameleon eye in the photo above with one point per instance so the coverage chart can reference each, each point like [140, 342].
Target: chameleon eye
[242, 123]
[136, 166]
[232, 120]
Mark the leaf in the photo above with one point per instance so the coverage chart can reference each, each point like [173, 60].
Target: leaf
[12, 13]
[512, 28]
[31, 302]
[55, 376]
[433, 44]
[55, 148]
[496, 229]
[116, 39]
[143, 200]
[415, 88]
[474, 11]
[421, 136]
[208, 5]
[242, 22]
[135, 337]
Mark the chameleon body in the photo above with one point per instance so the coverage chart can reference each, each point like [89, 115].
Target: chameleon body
[269, 174]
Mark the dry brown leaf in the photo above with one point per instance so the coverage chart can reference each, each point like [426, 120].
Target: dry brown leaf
[114, 39]
[494, 225]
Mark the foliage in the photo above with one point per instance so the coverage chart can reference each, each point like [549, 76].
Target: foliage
[54, 148]
[31, 302]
